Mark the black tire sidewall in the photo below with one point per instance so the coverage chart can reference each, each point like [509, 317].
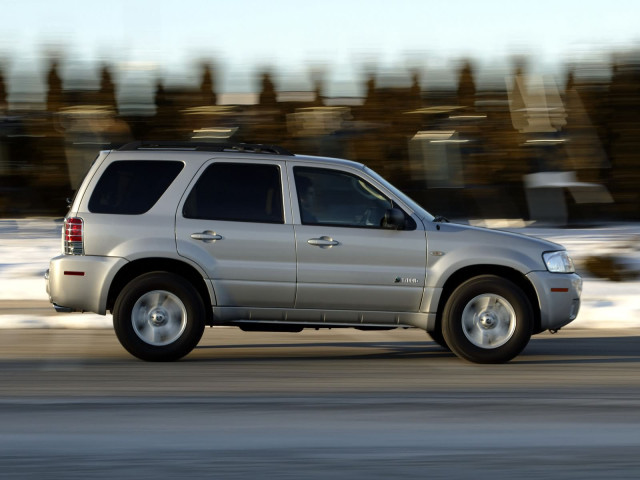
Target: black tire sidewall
[452, 319]
[438, 337]
[130, 294]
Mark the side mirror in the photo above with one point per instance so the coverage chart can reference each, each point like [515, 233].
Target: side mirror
[393, 219]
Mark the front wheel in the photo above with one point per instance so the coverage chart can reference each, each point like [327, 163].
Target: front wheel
[487, 319]
[159, 316]
[436, 336]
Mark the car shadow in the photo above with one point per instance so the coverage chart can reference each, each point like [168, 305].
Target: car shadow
[568, 350]
[325, 351]
[541, 350]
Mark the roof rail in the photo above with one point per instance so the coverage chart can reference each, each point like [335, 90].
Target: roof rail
[205, 147]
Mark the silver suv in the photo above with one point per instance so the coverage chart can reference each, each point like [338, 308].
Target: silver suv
[170, 237]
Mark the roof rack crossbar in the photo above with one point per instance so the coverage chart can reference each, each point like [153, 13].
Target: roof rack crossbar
[206, 147]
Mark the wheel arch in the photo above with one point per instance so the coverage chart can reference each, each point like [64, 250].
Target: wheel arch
[158, 264]
[466, 273]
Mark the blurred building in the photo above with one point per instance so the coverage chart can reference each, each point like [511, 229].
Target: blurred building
[526, 150]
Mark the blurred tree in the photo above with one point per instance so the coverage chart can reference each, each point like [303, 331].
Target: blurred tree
[54, 93]
[319, 95]
[624, 123]
[107, 94]
[3, 93]
[570, 81]
[268, 92]
[268, 121]
[318, 76]
[163, 125]
[207, 87]
[160, 98]
[415, 92]
[370, 107]
[466, 87]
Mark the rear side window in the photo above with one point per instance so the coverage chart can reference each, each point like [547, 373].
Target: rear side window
[132, 187]
[240, 192]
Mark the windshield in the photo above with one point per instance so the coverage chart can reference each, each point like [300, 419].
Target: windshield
[406, 199]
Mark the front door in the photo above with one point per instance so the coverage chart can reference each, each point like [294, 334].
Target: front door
[346, 259]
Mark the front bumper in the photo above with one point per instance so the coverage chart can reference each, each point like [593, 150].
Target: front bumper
[558, 297]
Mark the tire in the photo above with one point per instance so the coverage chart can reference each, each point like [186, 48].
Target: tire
[436, 336]
[487, 319]
[159, 316]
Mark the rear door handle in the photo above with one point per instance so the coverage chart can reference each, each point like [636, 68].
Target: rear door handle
[207, 236]
[323, 242]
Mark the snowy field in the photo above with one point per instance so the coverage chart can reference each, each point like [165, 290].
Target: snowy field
[27, 245]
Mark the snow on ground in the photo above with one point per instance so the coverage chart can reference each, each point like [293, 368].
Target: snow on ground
[26, 245]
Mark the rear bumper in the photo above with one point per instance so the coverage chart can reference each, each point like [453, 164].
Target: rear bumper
[77, 283]
[558, 297]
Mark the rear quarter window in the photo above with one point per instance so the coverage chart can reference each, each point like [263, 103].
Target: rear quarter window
[132, 187]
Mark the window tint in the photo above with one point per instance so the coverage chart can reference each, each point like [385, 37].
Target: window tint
[132, 187]
[333, 197]
[241, 192]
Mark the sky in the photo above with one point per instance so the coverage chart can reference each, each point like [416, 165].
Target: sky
[341, 37]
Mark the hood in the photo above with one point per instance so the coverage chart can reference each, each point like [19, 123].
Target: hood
[456, 245]
[496, 234]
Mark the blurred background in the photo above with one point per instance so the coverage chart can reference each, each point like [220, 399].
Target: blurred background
[478, 110]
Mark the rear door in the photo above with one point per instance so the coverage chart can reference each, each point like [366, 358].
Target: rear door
[232, 222]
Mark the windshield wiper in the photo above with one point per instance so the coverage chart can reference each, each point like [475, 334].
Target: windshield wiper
[440, 219]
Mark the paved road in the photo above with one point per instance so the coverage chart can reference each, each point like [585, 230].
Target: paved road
[319, 404]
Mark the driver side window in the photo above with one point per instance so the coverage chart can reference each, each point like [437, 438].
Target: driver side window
[333, 197]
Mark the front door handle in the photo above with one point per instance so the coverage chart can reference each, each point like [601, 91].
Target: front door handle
[207, 236]
[323, 242]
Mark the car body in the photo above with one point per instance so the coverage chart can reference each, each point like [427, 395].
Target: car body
[170, 237]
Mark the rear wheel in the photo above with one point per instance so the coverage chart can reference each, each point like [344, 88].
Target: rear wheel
[159, 316]
[487, 319]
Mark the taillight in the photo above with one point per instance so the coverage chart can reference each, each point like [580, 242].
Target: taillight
[73, 236]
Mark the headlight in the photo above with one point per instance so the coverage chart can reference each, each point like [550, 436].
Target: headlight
[558, 262]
